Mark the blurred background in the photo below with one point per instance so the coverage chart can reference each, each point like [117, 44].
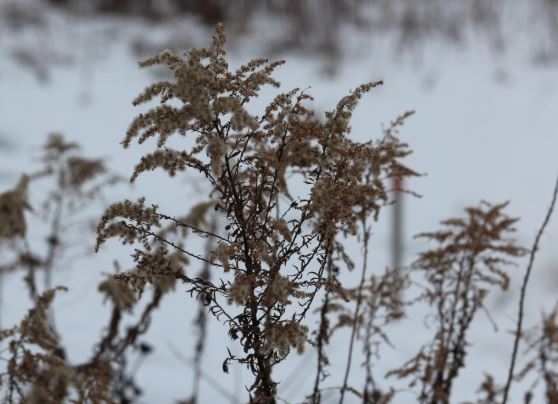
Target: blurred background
[482, 76]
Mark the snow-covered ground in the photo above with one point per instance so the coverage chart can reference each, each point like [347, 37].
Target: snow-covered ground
[484, 128]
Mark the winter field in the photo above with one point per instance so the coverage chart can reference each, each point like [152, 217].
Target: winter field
[484, 128]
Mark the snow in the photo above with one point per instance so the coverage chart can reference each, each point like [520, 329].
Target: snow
[484, 128]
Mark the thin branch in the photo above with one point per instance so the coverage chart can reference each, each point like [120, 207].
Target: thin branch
[195, 229]
[322, 338]
[176, 247]
[519, 329]
[365, 241]
[53, 248]
[30, 279]
[203, 374]
[201, 320]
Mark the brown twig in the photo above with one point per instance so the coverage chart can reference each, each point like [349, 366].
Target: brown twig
[322, 339]
[519, 329]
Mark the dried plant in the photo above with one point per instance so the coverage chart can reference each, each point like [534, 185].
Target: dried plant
[38, 371]
[274, 245]
[201, 320]
[46, 369]
[542, 345]
[469, 261]
[75, 182]
[37, 368]
[287, 195]
[12, 206]
[519, 329]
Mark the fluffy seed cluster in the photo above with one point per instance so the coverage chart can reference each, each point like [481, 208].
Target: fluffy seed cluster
[284, 336]
[139, 221]
[12, 207]
[282, 228]
[241, 289]
[223, 253]
[280, 290]
[119, 293]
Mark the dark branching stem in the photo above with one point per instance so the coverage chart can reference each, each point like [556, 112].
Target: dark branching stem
[30, 279]
[115, 348]
[519, 329]
[140, 328]
[322, 338]
[264, 384]
[13, 383]
[369, 383]
[174, 245]
[201, 320]
[204, 233]
[53, 245]
[53, 239]
[112, 331]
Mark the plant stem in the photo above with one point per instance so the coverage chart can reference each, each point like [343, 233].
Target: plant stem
[519, 328]
[366, 233]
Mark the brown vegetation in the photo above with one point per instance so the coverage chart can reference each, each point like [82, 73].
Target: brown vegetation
[288, 192]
